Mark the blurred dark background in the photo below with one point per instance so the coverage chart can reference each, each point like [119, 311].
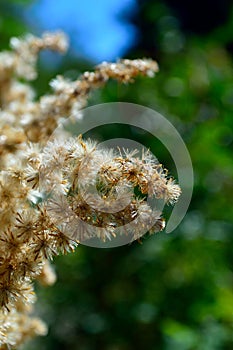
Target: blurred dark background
[174, 291]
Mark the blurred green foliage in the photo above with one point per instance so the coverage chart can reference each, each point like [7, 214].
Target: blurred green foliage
[11, 22]
[173, 292]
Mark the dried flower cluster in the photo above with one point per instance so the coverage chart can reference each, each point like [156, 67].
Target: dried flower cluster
[33, 229]
[92, 190]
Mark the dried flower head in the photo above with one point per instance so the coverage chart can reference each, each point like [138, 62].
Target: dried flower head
[33, 231]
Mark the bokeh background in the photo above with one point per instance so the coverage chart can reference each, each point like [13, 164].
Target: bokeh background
[174, 291]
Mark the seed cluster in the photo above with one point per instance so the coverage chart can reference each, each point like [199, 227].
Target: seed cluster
[76, 202]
